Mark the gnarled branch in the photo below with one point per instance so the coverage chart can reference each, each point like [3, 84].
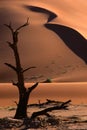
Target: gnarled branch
[28, 69]
[26, 24]
[33, 87]
[11, 66]
[64, 105]
[15, 32]
[10, 27]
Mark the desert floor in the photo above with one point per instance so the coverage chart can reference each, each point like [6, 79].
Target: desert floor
[73, 119]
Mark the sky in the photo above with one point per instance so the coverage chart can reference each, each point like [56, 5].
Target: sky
[39, 46]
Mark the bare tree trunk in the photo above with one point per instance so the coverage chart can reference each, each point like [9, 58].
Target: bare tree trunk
[24, 92]
[21, 111]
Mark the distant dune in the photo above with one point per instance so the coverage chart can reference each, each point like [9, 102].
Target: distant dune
[55, 55]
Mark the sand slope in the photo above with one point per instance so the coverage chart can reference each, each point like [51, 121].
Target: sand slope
[39, 46]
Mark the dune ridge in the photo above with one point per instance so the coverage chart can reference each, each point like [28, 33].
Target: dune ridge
[73, 39]
[42, 10]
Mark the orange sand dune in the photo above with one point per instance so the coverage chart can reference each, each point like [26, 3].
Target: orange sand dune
[39, 46]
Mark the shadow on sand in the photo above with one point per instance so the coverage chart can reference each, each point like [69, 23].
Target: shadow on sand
[51, 14]
[73, 39]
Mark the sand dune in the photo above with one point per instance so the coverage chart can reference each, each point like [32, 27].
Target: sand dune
[76, 75]
[73, 39]
[44, 11]
[41, 47]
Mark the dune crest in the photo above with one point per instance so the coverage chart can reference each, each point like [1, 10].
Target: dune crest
[42, 10]
[73, 39]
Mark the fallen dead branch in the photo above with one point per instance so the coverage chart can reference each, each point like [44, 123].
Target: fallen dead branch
[64, 105]
[44, 104]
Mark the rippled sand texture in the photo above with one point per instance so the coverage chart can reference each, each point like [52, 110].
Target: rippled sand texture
[59, 55]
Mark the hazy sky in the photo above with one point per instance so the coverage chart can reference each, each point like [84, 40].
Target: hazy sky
[39, 46]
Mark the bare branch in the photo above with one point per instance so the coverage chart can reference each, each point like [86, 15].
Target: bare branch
[33, 87]
[64, 105]
[26, 24]
[16, 31]
[10, 27]
[11, 66]
[28, 69]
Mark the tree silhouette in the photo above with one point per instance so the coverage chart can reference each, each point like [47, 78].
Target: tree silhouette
[24, 93]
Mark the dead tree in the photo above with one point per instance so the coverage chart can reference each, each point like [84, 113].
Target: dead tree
[24, 92]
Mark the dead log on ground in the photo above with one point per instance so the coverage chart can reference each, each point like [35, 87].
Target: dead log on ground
[48, 102]
[64, 105]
